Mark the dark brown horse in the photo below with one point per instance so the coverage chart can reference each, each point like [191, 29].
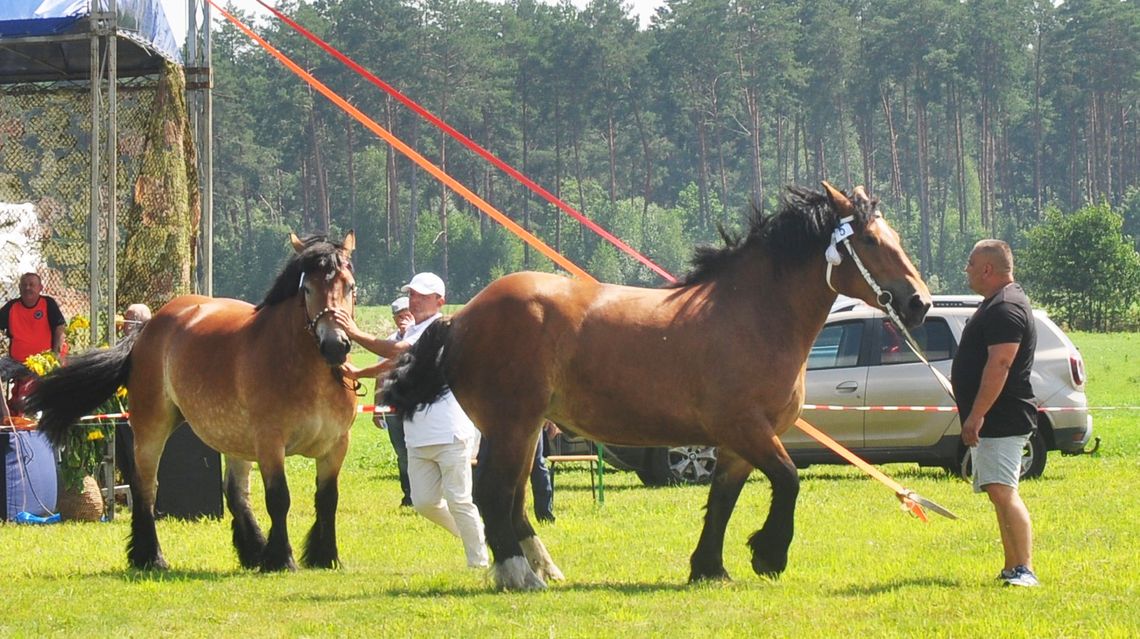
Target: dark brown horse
[255, 383]
[718, 359]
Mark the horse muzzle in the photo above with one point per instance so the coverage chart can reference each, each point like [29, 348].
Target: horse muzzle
[334, 346]
[909, 302]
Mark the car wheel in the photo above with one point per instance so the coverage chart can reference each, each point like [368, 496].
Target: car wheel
[679, 465]
[1032, 459]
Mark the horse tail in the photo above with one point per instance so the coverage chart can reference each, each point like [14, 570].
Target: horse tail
[74, 390]
[418, 379]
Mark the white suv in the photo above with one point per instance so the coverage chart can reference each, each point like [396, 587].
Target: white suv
[860, 367]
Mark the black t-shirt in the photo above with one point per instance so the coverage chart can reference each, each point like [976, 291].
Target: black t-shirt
[1004, 318]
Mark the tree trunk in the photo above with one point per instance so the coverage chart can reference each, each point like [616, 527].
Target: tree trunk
[892, 135]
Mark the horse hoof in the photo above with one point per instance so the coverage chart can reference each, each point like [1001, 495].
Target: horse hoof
[719, 574]
[767, 567]
[515, 574]
[279, 566]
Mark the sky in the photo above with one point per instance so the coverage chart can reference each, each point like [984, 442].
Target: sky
[175, 11]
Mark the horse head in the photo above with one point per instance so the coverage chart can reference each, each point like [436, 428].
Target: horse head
[866, 260]
[325, 286]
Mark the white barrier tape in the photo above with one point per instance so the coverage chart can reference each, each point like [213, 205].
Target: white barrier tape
[954, 409]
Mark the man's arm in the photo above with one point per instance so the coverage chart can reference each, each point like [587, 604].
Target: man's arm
[999, 359]
[375, 370]
[388, 348]
[58, 338]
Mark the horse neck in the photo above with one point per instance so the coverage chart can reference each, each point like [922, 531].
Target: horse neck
[286, 324]
[792, 302]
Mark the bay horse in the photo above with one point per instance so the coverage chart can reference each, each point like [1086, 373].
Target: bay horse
[718, 359]
[256, 383]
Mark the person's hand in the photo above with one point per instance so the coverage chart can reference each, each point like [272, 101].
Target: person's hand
[971, 428]
[345, 321]
[350, 371]
[404, 321]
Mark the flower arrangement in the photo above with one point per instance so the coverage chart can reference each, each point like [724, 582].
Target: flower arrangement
[78, 332]
[82, 450]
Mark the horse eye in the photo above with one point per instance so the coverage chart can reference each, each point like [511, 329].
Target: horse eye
[870, 240]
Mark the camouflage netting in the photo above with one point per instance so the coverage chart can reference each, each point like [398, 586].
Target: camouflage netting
[161, 223]
[45, 188]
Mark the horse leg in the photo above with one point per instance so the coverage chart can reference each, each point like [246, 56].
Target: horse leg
[532, 547]
[278, 554]
[320, 544]
[707, 561]
[150, 432]
[770, 544]
[248, 539]
[497, 489]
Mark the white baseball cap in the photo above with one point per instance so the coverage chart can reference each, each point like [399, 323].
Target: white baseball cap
[425, 284]
[400, 304]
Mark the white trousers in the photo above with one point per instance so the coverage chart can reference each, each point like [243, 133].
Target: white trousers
[440, 475]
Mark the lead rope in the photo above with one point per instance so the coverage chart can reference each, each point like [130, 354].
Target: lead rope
[842, 235]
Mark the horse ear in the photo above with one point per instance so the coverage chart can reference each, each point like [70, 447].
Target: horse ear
[298, 245]
[350, 242]
[839, 201]
[864, 202]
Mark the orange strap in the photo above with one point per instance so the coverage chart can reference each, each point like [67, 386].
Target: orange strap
[837, 448]
[410, 152]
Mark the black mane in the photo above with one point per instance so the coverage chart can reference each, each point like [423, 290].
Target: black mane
[319, 256]
[801, 228]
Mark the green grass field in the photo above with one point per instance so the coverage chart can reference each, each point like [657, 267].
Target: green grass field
[858, 566]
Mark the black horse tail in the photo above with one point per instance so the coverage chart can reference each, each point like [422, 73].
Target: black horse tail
[72, 391]
[418, 379]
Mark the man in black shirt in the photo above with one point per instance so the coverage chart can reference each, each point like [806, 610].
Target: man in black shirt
[995, 398]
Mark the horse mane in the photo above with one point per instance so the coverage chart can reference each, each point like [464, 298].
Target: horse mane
[320, 255]
[800, 229]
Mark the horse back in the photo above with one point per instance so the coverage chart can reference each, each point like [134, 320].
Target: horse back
[672, 362]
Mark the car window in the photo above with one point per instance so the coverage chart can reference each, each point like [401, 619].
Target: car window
[933, 337]
[837, 346]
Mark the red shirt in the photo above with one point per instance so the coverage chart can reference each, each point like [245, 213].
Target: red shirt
[30, 329]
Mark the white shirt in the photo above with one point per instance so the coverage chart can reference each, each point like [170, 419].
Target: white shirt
[444, 421]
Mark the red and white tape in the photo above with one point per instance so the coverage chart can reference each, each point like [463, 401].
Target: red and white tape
[374, 408]
[954, 409]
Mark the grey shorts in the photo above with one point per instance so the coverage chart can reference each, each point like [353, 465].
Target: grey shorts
[997, 460]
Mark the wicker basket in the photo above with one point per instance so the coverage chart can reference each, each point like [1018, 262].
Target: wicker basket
[85, 505]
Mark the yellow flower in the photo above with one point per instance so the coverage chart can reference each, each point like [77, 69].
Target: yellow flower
[94, 435]
[121, 394]
[78, 323]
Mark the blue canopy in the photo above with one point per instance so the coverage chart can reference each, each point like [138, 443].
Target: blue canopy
[43, 40]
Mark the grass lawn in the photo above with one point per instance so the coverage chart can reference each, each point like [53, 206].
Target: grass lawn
[858, 565]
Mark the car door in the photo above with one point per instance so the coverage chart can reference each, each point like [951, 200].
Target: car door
[835, 377]
[897, 378]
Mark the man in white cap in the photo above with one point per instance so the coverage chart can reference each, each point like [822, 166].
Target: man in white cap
[441, 438]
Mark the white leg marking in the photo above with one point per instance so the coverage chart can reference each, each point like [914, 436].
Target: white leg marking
[515, 574]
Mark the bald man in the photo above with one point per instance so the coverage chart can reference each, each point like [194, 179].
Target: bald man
[995, 398]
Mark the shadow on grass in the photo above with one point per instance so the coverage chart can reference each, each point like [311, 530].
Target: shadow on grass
[896, 585]
[624, 588]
